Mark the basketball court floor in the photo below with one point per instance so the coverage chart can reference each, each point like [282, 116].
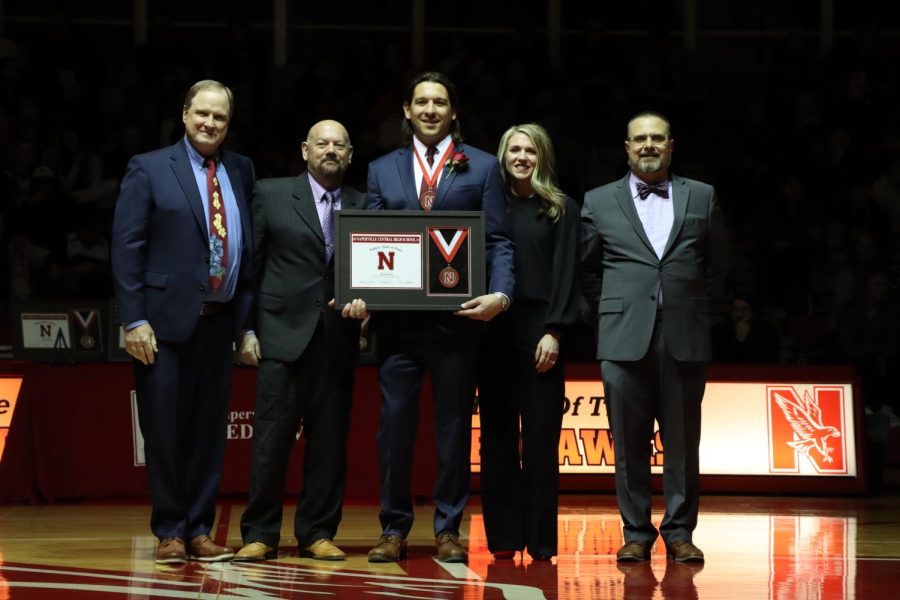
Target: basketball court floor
[777, 548]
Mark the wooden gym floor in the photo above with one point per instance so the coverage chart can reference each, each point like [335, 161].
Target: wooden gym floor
[756, 547]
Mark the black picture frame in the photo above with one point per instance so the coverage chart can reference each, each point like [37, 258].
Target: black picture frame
[444, 284]
[60, 330]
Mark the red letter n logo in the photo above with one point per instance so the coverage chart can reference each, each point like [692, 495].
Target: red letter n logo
[386, 261]
[806, 431]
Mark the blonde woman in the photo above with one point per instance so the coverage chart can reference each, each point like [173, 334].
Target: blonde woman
[522, 375]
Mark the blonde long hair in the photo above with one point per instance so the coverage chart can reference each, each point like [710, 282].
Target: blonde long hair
[543, 178]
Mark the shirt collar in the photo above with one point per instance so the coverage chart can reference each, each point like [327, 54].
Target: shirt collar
[196, 158]
[441, 146]
[318, 190]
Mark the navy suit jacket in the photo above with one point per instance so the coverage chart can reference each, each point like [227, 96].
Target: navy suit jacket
[160, 242]
[392, 186]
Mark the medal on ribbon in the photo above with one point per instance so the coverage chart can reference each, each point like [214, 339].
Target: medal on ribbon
[86, 319]
[448, 276]
[428, 189]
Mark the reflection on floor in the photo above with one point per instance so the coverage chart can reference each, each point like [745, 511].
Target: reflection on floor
[772, 548]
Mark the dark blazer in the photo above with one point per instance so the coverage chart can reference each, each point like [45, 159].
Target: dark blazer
[160, 242]
[623, 276]
[392, 186]
[289, 257]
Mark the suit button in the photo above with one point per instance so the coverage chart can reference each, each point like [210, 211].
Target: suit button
[325, 276]
[653, 298]
[202, 287]
[318, 303]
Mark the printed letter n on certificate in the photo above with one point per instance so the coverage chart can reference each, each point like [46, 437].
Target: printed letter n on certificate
[387, 261]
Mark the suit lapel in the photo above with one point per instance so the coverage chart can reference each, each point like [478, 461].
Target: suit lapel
[407, 176]
[448, 177]
[682, 194]
[305, 205]
[626, 203]
[184, 172]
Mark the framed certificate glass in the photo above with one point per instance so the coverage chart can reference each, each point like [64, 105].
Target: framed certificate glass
[409, 260]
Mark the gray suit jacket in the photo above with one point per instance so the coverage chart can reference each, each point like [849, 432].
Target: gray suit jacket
[294, 282]
[622, 276]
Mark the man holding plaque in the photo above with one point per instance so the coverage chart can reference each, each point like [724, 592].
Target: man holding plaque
[181, 266]
[306, 352]
[434, 172]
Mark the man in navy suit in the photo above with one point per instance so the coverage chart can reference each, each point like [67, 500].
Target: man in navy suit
[181, 263]
[434, 172]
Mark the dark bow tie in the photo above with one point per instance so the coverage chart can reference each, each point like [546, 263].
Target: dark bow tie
[661, 189]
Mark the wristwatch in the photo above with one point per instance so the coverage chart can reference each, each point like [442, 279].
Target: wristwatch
[504, 300]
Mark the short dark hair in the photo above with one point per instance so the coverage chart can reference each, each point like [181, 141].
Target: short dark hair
[433, 77]
[209, 84]
[650, 113]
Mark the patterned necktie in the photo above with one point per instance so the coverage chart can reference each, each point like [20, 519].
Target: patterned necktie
[218, 227]
[661, 189]
[328, 225]
[426, 190]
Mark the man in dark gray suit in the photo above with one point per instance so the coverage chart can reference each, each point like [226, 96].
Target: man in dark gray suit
[306, 352]
[653, 257]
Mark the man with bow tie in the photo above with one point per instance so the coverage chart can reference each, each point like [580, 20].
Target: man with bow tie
[653, 253]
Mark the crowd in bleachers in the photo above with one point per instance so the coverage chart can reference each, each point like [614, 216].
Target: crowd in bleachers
[804, 150]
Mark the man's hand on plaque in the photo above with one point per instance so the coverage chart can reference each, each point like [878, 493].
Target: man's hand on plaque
[355, 309]
[482, 308]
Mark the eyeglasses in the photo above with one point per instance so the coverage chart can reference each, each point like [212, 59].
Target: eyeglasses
[656, 139]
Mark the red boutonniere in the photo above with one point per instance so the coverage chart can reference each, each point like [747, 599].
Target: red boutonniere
[458, 162]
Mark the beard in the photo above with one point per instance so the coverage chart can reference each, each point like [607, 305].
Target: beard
[648, 164]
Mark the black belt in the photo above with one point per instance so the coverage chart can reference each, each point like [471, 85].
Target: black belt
[207, 309]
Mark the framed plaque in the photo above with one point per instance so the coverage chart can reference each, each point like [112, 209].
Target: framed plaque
[409, 260]
[60, 330]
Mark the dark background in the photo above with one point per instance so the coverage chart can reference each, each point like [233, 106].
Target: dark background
[802, 143]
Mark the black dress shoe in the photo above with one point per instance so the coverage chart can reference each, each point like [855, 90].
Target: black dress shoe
[684, 551]
[633, 552]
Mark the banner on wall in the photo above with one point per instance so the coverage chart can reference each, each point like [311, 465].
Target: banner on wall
[9, 394]
[758, 428]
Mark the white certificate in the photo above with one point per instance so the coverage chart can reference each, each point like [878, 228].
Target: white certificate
[44, 330]
[386, 261]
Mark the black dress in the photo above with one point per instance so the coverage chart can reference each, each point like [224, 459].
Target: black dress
[519, 499]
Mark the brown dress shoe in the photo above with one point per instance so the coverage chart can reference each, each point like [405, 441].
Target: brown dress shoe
[323, 549]
[255, 551]
[633, 552]
[449, 550]
[390, 548]
[203, 549]
[169, 551]
[684, 551]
